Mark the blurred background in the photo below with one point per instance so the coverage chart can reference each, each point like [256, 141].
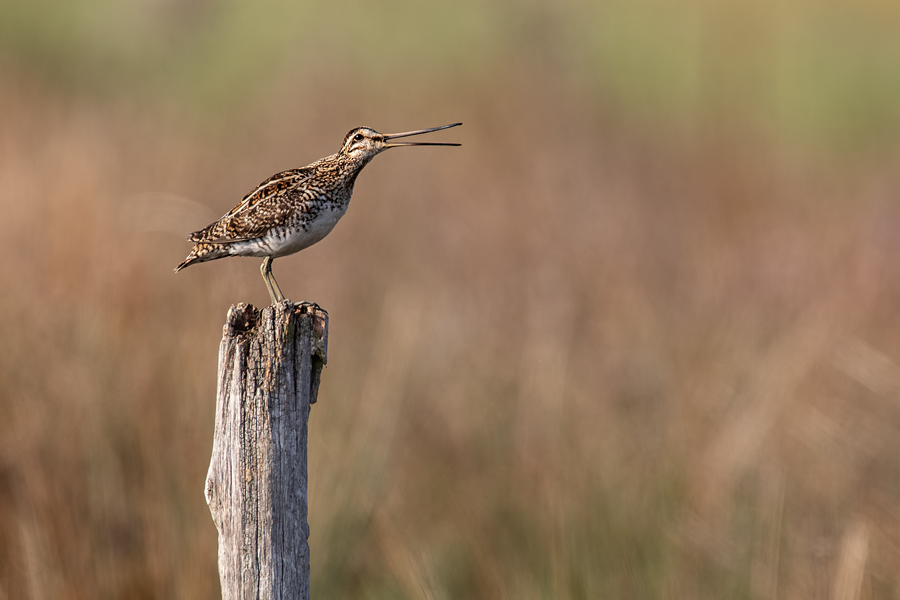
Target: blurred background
[639, 337]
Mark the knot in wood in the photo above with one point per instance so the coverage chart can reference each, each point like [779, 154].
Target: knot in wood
[242, 318]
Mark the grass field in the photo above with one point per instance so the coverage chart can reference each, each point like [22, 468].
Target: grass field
[639, 337]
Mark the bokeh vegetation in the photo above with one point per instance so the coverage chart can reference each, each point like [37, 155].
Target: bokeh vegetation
[637, 338]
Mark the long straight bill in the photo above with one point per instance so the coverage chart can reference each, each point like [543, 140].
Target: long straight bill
[419, 132]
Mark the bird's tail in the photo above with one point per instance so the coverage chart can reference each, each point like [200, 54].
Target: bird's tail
[191, 259]
[203, 252]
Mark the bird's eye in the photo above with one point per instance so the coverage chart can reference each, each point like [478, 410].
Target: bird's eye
[358, 137]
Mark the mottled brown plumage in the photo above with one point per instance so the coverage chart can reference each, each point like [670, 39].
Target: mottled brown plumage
[294, 209]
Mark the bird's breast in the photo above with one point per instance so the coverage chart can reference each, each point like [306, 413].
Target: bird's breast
[307, 231]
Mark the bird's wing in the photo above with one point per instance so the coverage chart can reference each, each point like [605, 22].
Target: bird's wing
[257, 212]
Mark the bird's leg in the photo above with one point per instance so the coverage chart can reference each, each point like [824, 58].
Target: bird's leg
[266, 270]
[278, 295]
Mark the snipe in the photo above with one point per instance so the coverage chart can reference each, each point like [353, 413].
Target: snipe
[295, 209]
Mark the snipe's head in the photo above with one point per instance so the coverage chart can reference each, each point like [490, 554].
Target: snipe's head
[363, 143]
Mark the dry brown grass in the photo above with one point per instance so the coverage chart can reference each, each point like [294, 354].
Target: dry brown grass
[567, 360]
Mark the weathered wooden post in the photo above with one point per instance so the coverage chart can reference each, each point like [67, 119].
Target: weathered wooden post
[269, 366]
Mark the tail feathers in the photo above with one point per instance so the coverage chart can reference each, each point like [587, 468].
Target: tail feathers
[201, 253]
[191, 259]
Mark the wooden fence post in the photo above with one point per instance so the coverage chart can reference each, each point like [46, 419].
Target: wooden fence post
[270, 361]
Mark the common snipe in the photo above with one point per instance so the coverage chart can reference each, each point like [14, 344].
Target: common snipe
[295, 209]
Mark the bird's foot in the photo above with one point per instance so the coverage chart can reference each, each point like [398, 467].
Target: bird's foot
[312, 307]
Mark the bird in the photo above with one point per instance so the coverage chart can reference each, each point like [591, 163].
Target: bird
[297, 208]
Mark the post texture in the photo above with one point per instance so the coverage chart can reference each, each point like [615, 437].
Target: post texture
[270, 361]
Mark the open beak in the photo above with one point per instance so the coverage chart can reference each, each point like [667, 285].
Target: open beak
[393, 136]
